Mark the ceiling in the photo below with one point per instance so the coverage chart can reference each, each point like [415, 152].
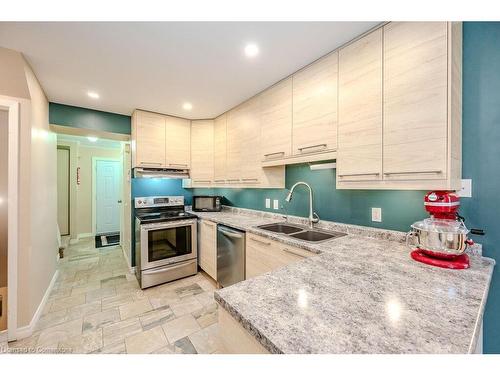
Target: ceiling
[158, 66]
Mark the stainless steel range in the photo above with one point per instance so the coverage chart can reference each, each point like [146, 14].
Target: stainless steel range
[165, 240]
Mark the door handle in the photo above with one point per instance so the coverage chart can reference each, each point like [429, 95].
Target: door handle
[120, 201]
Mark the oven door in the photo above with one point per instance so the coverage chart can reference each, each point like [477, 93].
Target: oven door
[167, 243]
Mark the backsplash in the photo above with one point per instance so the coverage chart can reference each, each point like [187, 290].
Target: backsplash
[399, 208]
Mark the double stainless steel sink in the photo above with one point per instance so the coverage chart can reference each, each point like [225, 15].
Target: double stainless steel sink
[301, 233]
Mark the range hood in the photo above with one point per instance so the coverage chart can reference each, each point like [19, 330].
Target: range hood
[161, 173]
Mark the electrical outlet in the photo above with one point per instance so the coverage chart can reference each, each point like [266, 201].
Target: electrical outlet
[376, 214]
[466, 190]
[276, 204]
[268, 203]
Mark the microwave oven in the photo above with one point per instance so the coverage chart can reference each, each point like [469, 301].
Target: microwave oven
[207, 203]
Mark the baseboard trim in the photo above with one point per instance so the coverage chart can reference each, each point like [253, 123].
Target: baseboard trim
[85, 235]
[130, 268]
[27, 331]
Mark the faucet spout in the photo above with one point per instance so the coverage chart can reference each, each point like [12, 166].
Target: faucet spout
[313, 217]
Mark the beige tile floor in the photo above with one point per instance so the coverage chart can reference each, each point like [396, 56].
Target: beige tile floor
[96, 306]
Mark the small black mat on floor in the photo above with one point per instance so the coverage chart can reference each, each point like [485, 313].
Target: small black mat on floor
[107, 239]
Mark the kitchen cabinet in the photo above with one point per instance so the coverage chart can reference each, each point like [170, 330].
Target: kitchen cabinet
[315, 107]
[276, 121]
[202, 153]
[421, 109]
[207, 247]
[160, 141]
[220, 135]
[178, 142]
[264, 255]
[148, 140]
[360, 110]
[243, 144]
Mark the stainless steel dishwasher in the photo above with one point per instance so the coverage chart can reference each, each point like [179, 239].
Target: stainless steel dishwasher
[230, 255]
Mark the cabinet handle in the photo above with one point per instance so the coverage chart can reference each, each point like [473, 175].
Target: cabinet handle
[147, 163]
[260, 241]
[223, 181]
[233, 180]
[182, 165]
[249, 179]
[323, 145]
[281, 153]
[294, 252]
[413, 172]
[359, 174]
[202, 181]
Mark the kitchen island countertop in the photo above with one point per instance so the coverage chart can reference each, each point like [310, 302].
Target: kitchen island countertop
[361, 293]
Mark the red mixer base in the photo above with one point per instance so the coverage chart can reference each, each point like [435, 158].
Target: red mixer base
[459, 263]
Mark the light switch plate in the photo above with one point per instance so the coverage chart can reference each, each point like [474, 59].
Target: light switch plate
[466, 191]
[376, 214]
[276, 204]
[268, 203]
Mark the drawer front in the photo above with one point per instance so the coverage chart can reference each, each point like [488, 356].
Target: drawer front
[265, 255]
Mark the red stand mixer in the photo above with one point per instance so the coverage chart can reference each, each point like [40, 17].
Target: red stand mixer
[440, 240]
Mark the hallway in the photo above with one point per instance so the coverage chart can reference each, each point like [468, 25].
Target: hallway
[96, 306]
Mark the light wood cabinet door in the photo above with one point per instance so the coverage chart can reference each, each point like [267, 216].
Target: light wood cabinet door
[315, 106]
[178, 142]
[207, 247]
[149, 136]
[360, 110]
[202, 153]
[276, 121]
[415, 100]
[243, 143]
[265, 255]
[220, 138]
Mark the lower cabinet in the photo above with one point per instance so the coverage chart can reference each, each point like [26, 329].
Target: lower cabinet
[264, 255]
[207, 247]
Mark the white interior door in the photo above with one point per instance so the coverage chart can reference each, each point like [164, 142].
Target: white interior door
[63, 190]
[107, 196]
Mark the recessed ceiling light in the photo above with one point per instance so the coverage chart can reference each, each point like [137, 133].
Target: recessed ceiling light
[187, 106]
[93, 95]
[251, 50]
[92, 139]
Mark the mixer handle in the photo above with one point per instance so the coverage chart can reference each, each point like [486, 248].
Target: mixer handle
[408, 235]
[477, 232]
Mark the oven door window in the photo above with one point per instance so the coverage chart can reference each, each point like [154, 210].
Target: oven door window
[169, 243]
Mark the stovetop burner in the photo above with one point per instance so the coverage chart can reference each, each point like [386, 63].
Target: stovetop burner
[158, 209]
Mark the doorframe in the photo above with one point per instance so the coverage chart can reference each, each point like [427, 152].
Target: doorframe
[12, 107]
[95, 159]
[67, 148]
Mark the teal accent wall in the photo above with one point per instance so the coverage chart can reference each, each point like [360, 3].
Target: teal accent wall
[399, 208]
[481, 154]
[77, 117]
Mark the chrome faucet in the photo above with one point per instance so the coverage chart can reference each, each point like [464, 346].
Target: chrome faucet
[313, 217]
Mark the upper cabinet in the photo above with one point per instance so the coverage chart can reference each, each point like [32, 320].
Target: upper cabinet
[315, 107]
[360, 110]
[160, 141]
[416, 143]
[415, 100]
[178, 142]
[220, 135]
[202, 153]
[276, 121]
[148, 139]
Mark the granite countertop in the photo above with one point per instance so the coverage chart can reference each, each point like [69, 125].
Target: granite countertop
[362, 293]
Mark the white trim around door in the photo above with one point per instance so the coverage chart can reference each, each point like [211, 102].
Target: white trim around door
[12, 107]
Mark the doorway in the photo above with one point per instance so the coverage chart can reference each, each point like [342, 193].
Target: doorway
[107, 200]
